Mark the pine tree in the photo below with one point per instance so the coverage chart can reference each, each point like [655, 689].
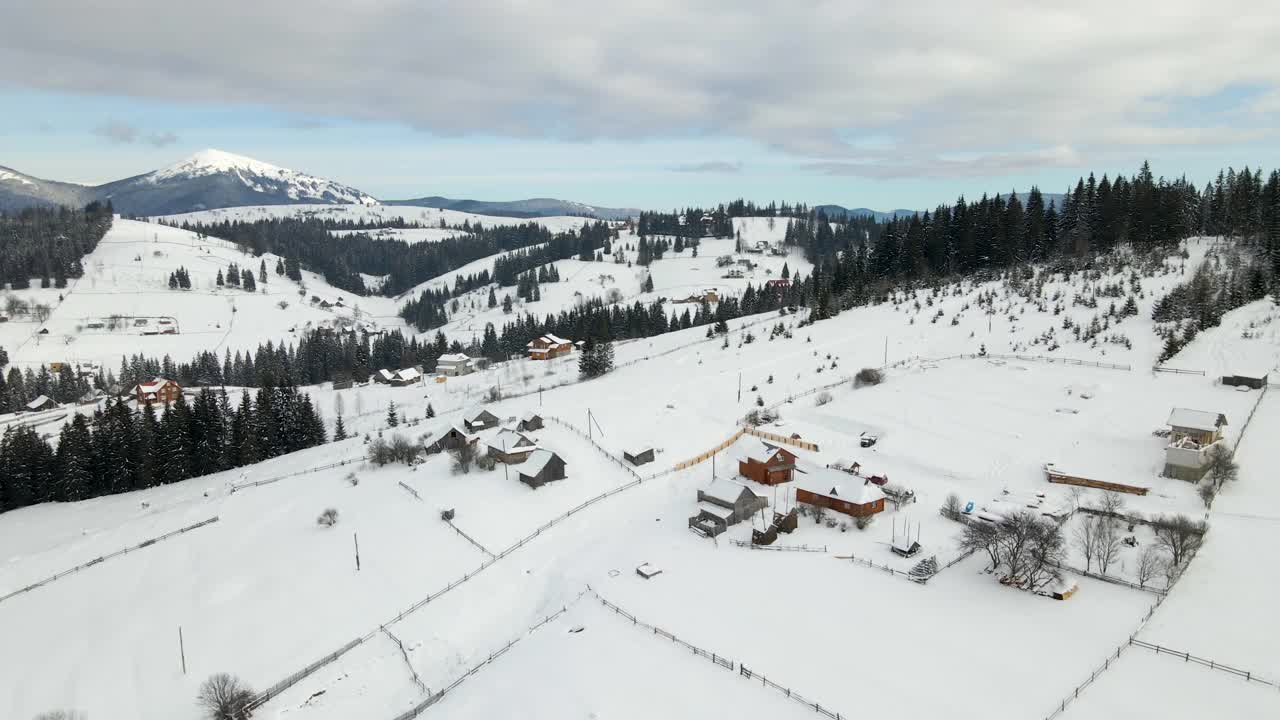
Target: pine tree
[392, 418]
[221, 282]
[431, 412]
[262, 272]
[339, 430]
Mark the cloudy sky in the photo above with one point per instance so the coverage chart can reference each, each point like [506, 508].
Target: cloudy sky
[649, 104]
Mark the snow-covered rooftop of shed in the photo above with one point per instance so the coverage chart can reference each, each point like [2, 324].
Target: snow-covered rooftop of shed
[713, 509]
[726, 490]
[1196, 419]
[537, 462]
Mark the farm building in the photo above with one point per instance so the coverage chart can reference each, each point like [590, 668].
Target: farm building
[448, 437]
[1201, 426]
[542, 467]
[454, 365]
[407, 376]
[384, 376]
[724, 503]
[638, 455]
[477, 418]
[1060, 476]
[837, 491]
[549, 346]
[511, 447]
[767, 464]
[1255, 378]
[158, 390]
[1186, 459]
[530, 421]
[44, 402]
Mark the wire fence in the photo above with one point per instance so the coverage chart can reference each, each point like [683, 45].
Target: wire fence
[716, 658]
[103, 558]
[278, 478]
[783, 548]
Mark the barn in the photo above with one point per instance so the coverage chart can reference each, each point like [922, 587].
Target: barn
[477, 418]
[1255, 378]
[723, 503]
[44, 402]
[837, 491]
[384, 377]
[448, 437]
[511, 447]
[638, 455]
[767, 464]
[407, 376]
[529, 422]
[542, 467]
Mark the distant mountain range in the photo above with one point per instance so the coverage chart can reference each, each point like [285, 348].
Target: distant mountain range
[838, 211]
[533, 207]
[213, 179]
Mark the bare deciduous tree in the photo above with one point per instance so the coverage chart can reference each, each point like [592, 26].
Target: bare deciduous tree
[1179, 536]
[1222, 466]
[225, 697]
[1086, 537]
[981, 536]
[1207, 492]
[1109, 540]
[1150, 564]
[951, 506]
[1112, 503]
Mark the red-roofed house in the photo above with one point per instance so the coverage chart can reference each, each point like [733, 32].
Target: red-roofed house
[158, 390]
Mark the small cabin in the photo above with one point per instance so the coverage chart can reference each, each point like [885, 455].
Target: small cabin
[44, 402]
[542, 467]
[1251, 378]
[479, 419]
[1200, 426]
[549, 346]
[159, 390]
[638, 455]
[723, 503]
[530, 421]
[449, 437]
[511, 447]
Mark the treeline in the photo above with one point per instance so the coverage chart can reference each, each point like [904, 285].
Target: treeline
[341, 259]
[21, 387]
[1217, 287]
[49, 243]
[120, 449]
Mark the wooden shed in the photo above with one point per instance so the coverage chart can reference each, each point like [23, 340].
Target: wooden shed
[530, 421]
[723, 503]
[542, 467]
[638, 455]
[1252, 378]
[1201, 426]
[767, 464]
[447, 438]
[511, 447]
[478, 419]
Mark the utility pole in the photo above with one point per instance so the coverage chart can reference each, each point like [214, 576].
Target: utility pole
[739, 388]
[182, 651]
[356, 538]
[886, 349]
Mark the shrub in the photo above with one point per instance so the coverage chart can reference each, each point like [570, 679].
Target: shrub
[463, 456]
[823, 398]
[868, 376]
[225, 697]
[862, 521]
[328, 518]
[951, 506]
[486, 462]
[380, 452]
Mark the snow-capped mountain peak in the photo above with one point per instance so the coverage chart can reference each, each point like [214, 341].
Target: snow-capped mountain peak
[260, 177]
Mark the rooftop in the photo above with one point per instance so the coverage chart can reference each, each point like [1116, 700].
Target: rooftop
[537, 462]
[834, 483]
[1196, 419]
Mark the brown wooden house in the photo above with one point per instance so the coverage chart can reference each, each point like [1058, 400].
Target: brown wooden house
[447, 438]
[511, 447]
[767, 464]
[838, 492]
[549, 346]
[158, 390]
[477, 418]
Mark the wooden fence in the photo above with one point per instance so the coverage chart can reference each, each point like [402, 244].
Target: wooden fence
[792, 694]
[421, 707]
[1176, 371]
[422, 687]
[716, 658]
[620, 462]
[277, 478]
[103, 558]
[1110, 579]
[782, 548]
[774, 437]
[1211, 664]
[707, 455]
[884, 568]
[1252, 412]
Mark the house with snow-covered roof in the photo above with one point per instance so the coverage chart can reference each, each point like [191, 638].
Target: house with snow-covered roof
[766, 464]
[529, 421]
[1199, 425]
[549, 346]
[160, 390]
[725, 502]
[44, 402]
[477, 418]
[455, 364]
[542, 467]
[840, 492]
[446, 437]
[406, 376]
[511, 446]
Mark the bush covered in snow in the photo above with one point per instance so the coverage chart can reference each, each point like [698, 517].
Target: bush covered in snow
[868, 376]
[328, 518]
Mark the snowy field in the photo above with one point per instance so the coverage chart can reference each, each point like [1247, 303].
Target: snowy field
[272, 591]
[409, 235]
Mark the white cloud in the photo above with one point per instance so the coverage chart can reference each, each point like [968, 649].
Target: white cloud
[710, 166]
[125, 134]
[812, 79]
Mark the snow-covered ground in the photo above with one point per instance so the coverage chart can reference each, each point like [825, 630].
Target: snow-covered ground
[271, 591]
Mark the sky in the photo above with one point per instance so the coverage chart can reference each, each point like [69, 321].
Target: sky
[658, 104]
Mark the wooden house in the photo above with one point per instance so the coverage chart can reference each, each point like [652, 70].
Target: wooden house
[44, 402]
[638, 455]
[383, 376]
[1200, 426]
[477, 418]
[838, 492]
[767, 464]
[723, 503]
[158, 390]
[529, 422]
[549, 346]
[449, 437]
[511, 447]
[406, 376]
[778, 284]
[542, 467]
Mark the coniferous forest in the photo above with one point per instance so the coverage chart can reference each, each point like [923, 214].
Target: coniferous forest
[49, 243]
[122, 449]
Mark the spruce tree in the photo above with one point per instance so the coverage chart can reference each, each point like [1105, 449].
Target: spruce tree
[339, 430]
[392, 418]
